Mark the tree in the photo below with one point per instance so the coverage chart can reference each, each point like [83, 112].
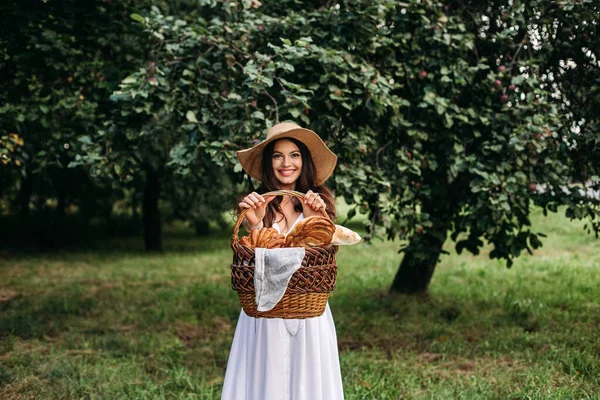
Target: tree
[154, 130]
[60, 63]
[215, 85]
[488, 127]
[447, 119]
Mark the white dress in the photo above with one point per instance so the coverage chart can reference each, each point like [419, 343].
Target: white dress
[284, 359]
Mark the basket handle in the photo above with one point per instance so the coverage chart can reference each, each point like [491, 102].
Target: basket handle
[300, 195]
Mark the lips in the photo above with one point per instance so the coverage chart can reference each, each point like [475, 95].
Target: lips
[287, 172]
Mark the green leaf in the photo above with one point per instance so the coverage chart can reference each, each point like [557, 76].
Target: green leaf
[351, 213]
[137, 17]
[129, 79]
[191, 116]
[258, 115]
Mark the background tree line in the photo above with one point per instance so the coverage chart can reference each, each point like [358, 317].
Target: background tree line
[450, 118]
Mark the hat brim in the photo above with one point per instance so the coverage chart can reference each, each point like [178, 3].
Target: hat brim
[323, 158]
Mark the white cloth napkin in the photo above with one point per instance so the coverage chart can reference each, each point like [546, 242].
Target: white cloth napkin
[273, 269]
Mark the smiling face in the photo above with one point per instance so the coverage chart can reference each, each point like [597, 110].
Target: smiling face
[287, 163]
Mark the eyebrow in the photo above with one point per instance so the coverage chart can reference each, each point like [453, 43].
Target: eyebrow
[279, 152]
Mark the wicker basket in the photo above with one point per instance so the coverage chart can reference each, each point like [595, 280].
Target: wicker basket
[308, 290]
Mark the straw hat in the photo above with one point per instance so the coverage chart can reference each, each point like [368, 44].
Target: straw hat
[323, 158]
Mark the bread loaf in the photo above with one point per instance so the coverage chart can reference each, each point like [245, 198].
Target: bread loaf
[311, 232]
[344, 236]
[267, 238]
[308, 232]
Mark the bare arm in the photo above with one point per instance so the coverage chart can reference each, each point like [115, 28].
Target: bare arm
[257, 206]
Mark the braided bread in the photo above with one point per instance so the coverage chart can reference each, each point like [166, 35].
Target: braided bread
[311, 232]
[267, 238]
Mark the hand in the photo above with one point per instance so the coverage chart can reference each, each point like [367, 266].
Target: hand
[257, 206]
[314, 202]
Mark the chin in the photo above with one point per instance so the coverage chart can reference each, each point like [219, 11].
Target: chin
[288, 180]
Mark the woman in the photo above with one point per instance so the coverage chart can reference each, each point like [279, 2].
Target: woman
[274, 358]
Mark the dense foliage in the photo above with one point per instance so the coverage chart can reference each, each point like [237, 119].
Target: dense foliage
[61, 61]
[446, 118]
[449, 118]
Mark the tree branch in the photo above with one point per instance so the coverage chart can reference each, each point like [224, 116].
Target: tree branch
[276, 107]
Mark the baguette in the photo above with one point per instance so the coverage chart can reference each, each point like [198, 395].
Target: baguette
[344, 236]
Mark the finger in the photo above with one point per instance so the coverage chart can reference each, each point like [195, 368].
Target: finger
[259, 197]
[244, 205]
[310, 204]
[318, 202]
[255, 199]
[321, 201]
[307, 199]
[263, 204]
[269, 198]
[308, 196]
[250, 202]
[255, 196]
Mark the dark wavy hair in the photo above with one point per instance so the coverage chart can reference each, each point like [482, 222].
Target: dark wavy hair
[305, 182]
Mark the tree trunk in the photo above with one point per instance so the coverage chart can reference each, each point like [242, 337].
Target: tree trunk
[106, 211]
[417, 267]
[61, 203]
[151, 213]
[134, 207]
[202, 227]
[418, 264]
[25, 191]
[424, 250]
[57, 237]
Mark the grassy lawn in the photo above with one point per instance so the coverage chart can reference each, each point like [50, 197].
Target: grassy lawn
[110, 322]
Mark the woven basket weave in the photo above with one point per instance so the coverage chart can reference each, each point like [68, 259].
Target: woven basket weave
[308, 290]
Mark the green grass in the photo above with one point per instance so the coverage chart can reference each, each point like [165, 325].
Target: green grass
[110, 322]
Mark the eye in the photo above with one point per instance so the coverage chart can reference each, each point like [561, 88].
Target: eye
[295, 155]
[276, 155]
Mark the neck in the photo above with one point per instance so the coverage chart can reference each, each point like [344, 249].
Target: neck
[291, 186]
[285, 201]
